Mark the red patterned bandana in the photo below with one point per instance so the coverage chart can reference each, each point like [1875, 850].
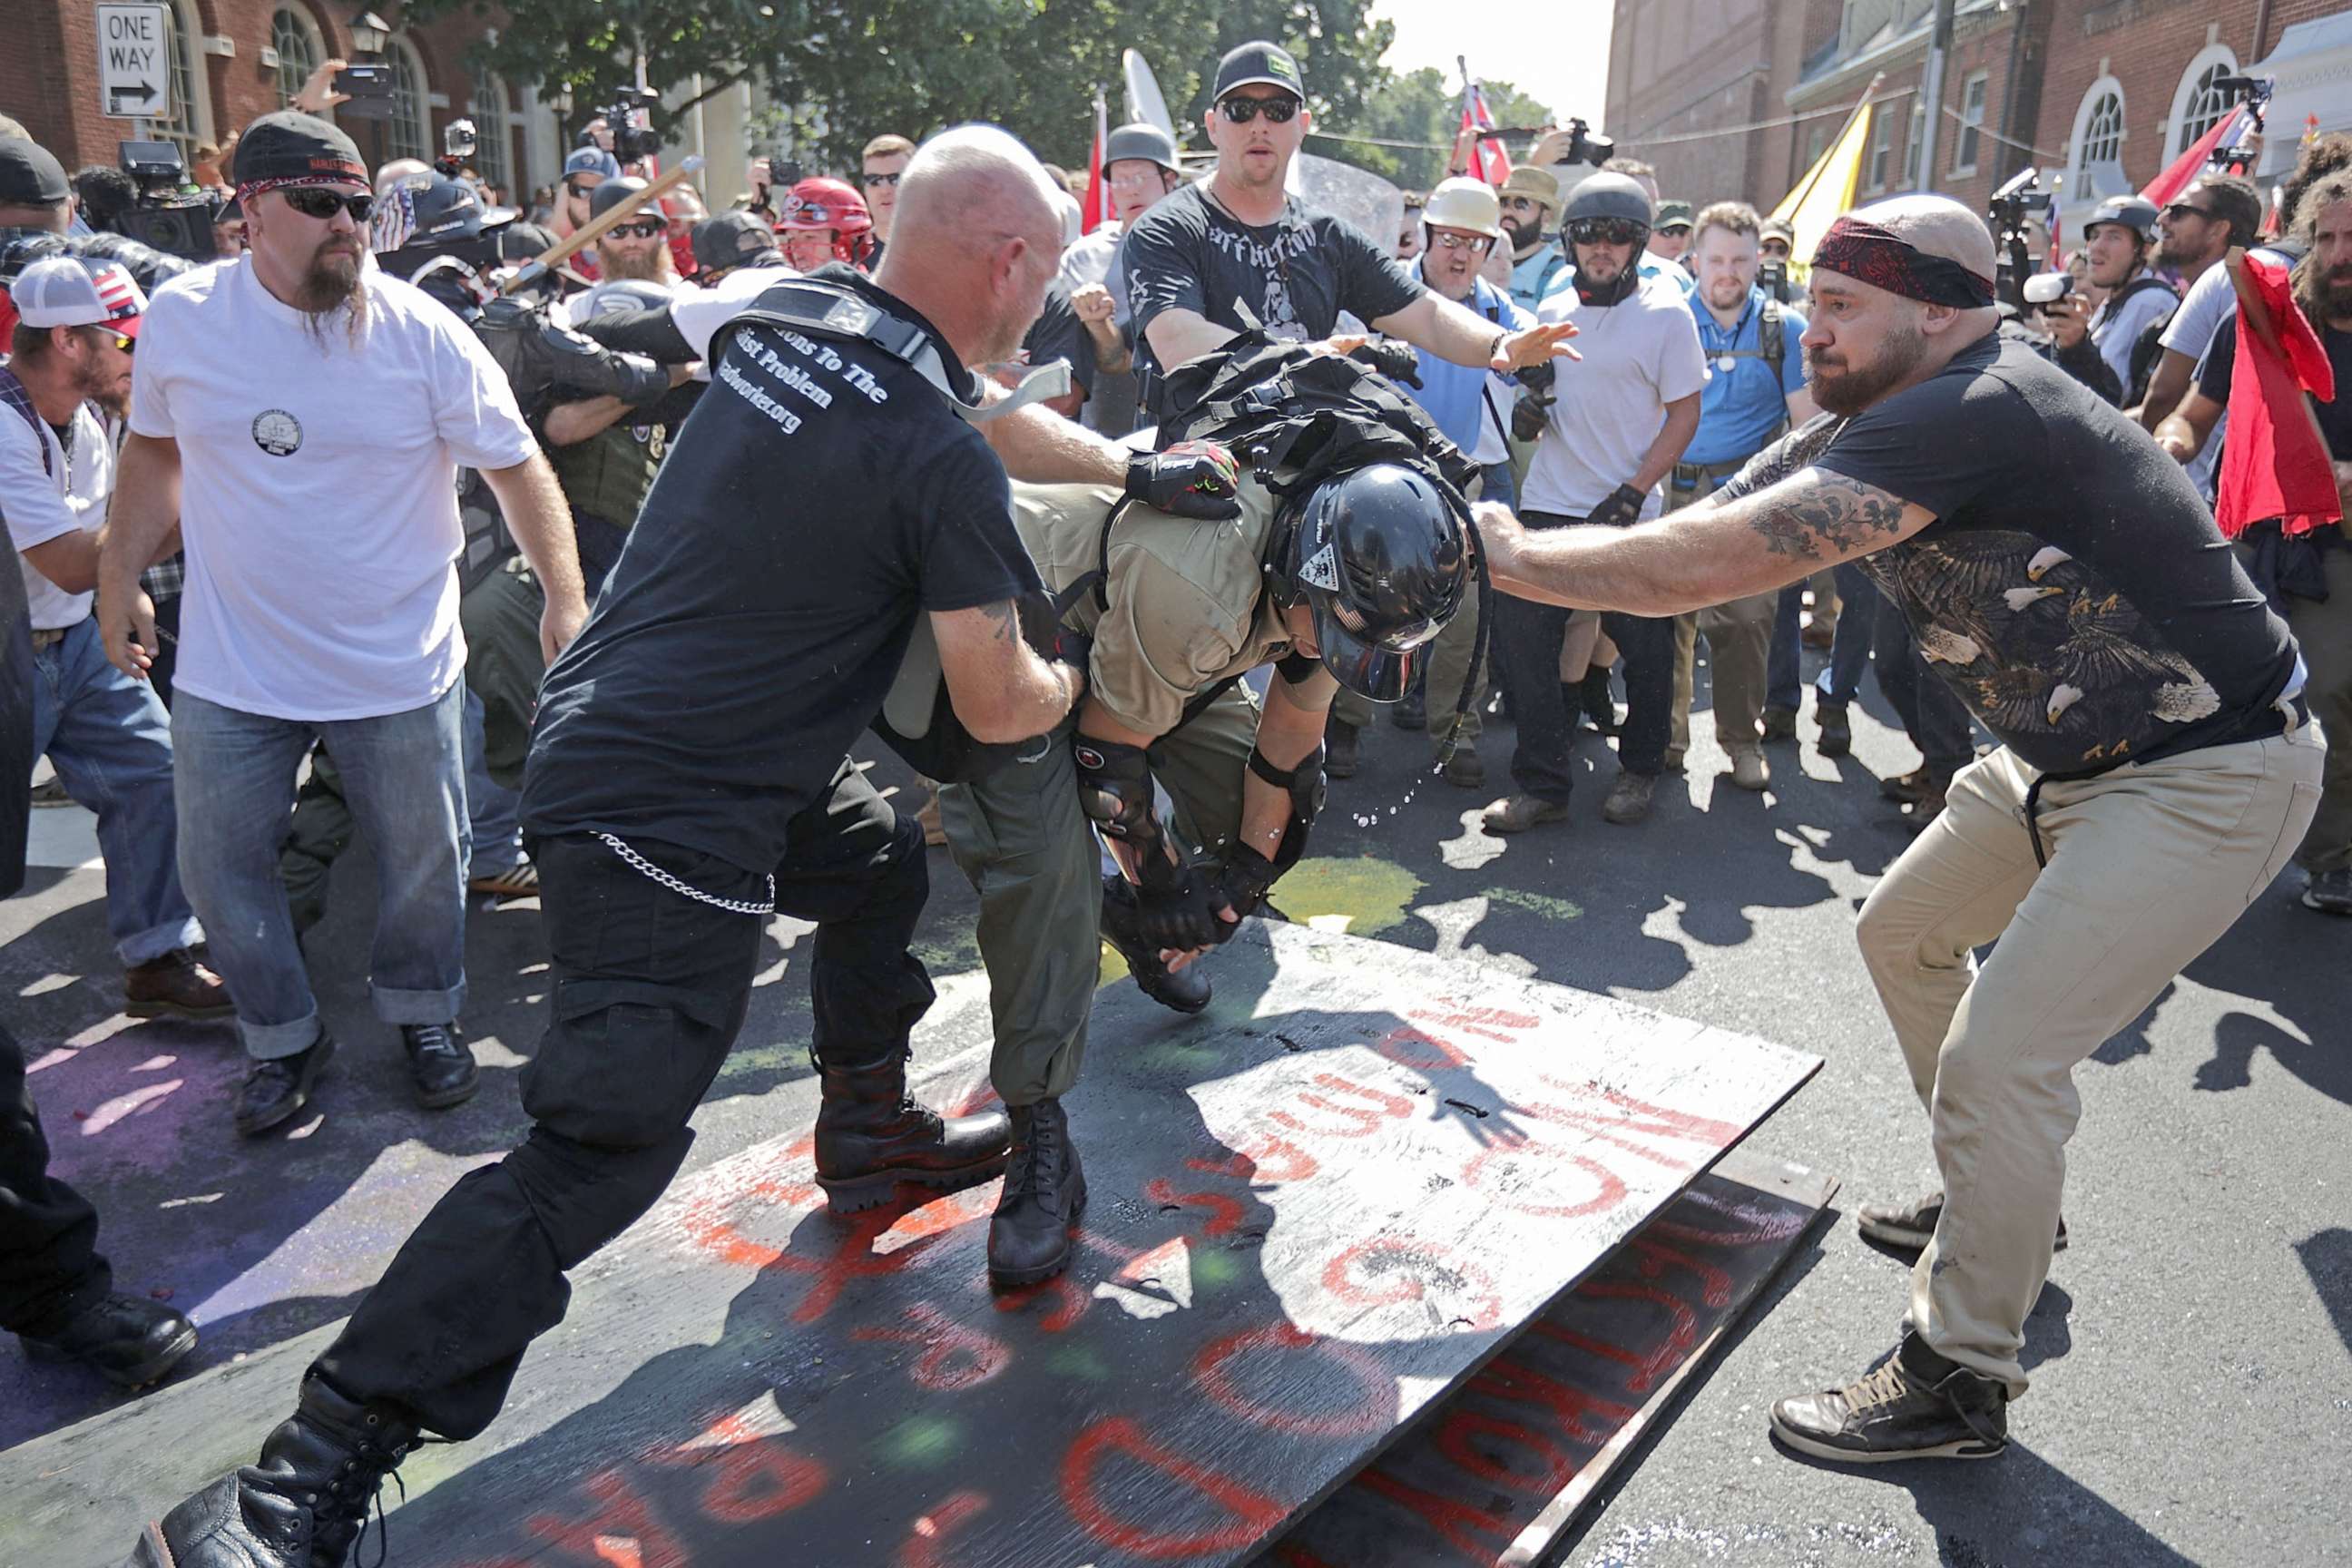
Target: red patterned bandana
[339, 180]
[1872, 255]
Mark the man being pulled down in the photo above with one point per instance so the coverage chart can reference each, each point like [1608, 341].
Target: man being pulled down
[687, 776]
[2157, 764]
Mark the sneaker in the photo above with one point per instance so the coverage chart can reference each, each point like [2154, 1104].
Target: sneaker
[176, 983]
[1630, 799]
[51, 792]
[1411, 713]
[1779, 723]
[1465, 769]
[1339, 751]
[276, 1090]
[1748, 770]
[1908, 1227]
[2329, 892]
[1837, 730]
[1517, 812]
[1914, 1404]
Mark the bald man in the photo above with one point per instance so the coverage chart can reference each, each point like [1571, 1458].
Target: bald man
[688, 779]
[2156, 766]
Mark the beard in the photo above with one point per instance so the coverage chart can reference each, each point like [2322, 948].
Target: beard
[631, 265]
[111, 394]
[1522, 234]
[333, 281]
[1850, 390]
[2334, 293]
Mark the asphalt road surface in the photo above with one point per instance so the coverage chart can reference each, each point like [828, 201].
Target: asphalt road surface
[2192, 1357]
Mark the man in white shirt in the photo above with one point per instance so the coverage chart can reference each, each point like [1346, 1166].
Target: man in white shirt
[1139, 167]
[106, 735]
[303, 416]
[2215, 214]
[1614, 427]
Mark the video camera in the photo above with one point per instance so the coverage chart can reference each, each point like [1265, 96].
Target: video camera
[459, 143]
[2254, 91]
[631, 119]
[1584, 144]
[166, 215]
[2020, 200]
[1772, 277]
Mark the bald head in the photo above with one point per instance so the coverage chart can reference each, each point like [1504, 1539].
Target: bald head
[972, 181]
[1936, 225]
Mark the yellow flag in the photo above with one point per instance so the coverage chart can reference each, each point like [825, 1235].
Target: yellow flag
[1826, 193]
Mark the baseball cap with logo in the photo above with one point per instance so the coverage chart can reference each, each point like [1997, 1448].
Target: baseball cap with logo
[591, 160]
[1259, 62]
[66, 291]
[290, 149]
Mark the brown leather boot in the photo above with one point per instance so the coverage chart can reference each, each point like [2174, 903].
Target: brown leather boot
[871, 1135]
[175, 984]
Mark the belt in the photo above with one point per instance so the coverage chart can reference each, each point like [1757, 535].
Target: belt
[50, 638]
[1689, 476]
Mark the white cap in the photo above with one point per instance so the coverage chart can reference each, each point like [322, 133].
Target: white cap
[66, 291]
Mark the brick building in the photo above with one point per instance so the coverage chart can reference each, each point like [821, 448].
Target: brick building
[2100, 96]
[232, 61]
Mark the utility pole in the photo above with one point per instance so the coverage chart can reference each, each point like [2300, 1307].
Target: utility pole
[1931, 95]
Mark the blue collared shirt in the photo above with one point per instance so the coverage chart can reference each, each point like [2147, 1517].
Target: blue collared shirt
[1742, 406]
[1454, 395]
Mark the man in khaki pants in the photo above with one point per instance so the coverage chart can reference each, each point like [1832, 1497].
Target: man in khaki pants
[2156, 768]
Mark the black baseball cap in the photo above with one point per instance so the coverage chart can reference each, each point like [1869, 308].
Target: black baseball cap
[614, 193]
[291, 149]
[731, 239]
[1259, 62]
[30, 175]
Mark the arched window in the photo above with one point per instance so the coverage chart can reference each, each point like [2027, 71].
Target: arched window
[2198, 105]
[490, 117]
[191, 119]
[2101, 139]
[408, 132]
[295, 39]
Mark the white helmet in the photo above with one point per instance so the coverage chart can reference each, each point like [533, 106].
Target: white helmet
[1464, 204]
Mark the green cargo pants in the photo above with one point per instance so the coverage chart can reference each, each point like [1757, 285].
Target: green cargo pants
[1023, 840]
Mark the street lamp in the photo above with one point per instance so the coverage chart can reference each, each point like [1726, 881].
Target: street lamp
[370, 33]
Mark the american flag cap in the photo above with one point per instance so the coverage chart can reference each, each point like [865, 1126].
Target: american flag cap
[69, 292]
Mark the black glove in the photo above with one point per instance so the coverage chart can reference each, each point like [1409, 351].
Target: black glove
[1243, 882]
[1178, 909]
[1621, 509]
[1395, 360]
[1527, 418]
[1045, 632]
[1191, 478]
[1538, 378]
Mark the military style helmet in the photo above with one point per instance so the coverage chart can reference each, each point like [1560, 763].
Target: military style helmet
[1379, 554]
[2135, 213]
[1141, 140]
[1607, 195]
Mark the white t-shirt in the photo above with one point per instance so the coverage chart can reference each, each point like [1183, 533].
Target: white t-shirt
[698, 314]
[1638, 356]
[319, 490]
[39, 506]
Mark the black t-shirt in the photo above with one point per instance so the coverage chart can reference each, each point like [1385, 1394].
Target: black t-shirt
[1059, 334]
[2335, 418]
[818, 498]
[1294, 274]
[2073, 589]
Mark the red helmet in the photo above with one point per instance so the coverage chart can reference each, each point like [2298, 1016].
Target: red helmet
[819, 204]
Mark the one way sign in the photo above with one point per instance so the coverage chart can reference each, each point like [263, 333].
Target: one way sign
[134, 72]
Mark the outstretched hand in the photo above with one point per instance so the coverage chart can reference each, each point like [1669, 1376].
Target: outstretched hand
[1533, 345]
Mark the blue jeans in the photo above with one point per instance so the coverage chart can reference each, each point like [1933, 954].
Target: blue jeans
[402, 774]
[1849, 654]
[492, 808]
[111, 742]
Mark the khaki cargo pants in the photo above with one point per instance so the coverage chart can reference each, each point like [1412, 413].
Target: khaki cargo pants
[2148, 866]
[1739, 645]
[1021, 839]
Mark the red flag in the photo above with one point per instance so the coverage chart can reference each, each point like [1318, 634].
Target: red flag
[1487, 159]
[1096, 210]
[2275, 463]
[2166, 187]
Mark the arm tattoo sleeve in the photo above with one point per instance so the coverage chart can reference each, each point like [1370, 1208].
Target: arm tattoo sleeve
[1825, 511]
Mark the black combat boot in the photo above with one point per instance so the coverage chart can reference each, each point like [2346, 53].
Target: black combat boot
[302, 1506]
[130, 1340]
[1045, 1194]
[1186, 990]
[440, 1067]
[871, 1135]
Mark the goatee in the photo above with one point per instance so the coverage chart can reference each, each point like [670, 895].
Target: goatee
[1852, 391]
[335, 282]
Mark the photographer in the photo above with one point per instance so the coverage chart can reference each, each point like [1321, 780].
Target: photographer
[2118, 236]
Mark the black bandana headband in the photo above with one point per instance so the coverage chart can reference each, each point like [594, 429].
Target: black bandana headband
[1869, 254]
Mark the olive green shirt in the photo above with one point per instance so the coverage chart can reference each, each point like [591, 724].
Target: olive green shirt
[1188, 605]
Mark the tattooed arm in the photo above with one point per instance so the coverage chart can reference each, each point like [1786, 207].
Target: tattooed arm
[1001, 690]
[1702, 555]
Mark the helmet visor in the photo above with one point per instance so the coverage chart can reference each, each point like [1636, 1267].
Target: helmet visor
[1381, 669]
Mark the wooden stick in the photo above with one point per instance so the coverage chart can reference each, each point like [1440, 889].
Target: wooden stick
[589, 234]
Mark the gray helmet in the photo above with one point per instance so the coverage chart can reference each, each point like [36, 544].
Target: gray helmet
[1605, 195]
[2135, 213]
[1141, 140]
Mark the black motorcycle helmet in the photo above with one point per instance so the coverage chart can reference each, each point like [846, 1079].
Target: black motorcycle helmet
[1378, 552]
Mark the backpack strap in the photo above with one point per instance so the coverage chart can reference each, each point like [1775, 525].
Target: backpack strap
[13, 394]
[1772, 336]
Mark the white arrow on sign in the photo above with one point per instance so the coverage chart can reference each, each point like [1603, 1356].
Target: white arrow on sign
[134, 68]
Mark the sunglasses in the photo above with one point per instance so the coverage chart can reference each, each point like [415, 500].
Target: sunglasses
[124, 344]
[1242, 111]
[1441, 240]
[647, 230]
[872, 181]
[2184, 209]
[1605, 231]
[577, 189]
[325, 205]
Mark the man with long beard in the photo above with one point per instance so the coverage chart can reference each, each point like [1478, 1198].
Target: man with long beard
[302, 417]
[2156, 769]
[635, 250]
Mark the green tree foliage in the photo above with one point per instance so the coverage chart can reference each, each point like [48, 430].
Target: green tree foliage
[1425, 108]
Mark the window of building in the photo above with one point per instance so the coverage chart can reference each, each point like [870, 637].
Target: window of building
[295, 37]
[1915, 143]
[190, 121]
[2198, 105]
[490, 117]
[1879, 161]
[2101, 137]
[408, 131]
[1972, 113]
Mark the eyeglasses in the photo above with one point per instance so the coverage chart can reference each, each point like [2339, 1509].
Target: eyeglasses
[124, 344]
[649, 229]
[1443, 240]
[325, 205]
[874, 181]
[1278, 110]
[2184, 209]
[1606, 231]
